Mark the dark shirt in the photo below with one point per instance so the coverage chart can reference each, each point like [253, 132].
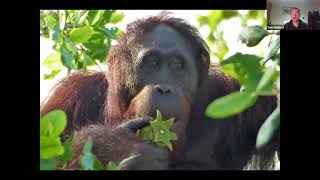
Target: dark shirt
[290, 26]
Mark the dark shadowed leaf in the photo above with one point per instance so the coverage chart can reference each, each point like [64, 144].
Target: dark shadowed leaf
[230, 105]
[56, 34]
[268, 128]
[88, 161]
[111, 32]
[252, 35]
[48, 164]
[66, 156]
[67, 59]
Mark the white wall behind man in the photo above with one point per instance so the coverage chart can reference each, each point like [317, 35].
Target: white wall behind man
[277, 18]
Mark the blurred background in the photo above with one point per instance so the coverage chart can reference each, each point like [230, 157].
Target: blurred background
[220, 29]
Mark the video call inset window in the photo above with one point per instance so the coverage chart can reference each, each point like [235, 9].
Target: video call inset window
[293, 14]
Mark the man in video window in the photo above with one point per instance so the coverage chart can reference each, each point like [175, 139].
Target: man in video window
[295, 23]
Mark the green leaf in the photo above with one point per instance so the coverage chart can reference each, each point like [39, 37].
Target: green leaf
[53, 62]
[66, 156]
[86, 60]
[97, 46]
[146, 133]
[158, 115]
[116, 17]
[82, 34]
[56, 33]
[94, 16]
[88, 161]
[230, 105]
[58, 120]
[51, 75]
[50, 147]
[253, 14]
[159, 132]
[52, 20]
[67, 59]
[48, 164]
[244, 67]
[83, 17]
[227, 14]
[252, 35]
[112, 166]
[70, 46]
[202, 20]
[265, 86]
[215, 17]
[111, 32]
[274, 47]
[268, 128]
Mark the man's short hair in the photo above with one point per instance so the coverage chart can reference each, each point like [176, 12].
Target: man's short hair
[295, 9]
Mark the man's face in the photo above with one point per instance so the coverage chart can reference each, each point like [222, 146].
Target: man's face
[295, 15]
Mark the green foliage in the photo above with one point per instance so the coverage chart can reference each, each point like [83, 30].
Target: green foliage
[82, 34]
[252, 35]
[271, 52]
[80, 37]
[66, 156]
[244, 67]
[53, 123]
[51, 126]
[88, 161]
[213, 20]
[159, 132]
[113, 166]
[54, 154]
[255, 78]
[268, 128]
[231, 104]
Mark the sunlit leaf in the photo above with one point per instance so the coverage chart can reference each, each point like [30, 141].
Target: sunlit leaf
[82, 34]
[50, 147]
[53, 62]
[58, 120]
[116, 17]
[244, 67]
[230, 105]
[51, 75]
